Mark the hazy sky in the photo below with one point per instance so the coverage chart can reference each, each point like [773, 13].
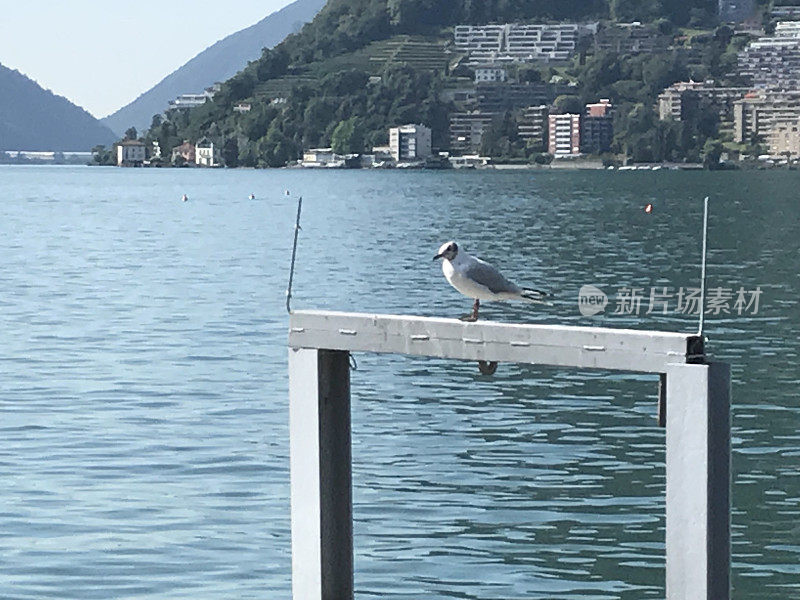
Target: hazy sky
[101, 54]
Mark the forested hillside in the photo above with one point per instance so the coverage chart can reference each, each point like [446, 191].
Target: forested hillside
[362, 66]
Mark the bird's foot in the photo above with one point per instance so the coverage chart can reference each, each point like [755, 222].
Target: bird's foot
[473, 316]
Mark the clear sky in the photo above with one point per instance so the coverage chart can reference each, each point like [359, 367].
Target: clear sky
[101, 54]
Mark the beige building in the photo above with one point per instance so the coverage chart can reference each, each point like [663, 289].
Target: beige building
[785, 140]
[677, 99]
[130, 153]
[759, 113]
[185, 151]
[466, 130]
[322, 158]
[532, 126]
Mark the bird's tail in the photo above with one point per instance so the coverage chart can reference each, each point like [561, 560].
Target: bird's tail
[536, 296]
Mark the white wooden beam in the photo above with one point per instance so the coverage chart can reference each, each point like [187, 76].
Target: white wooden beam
[557, 345]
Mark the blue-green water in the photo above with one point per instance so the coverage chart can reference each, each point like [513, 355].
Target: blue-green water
[143, 384]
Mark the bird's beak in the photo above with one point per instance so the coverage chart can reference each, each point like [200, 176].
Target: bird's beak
[437, 257]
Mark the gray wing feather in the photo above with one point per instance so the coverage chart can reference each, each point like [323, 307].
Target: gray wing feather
[485, 274]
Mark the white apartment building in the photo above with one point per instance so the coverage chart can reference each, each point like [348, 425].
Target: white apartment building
[409, 143]
[512, 42]
[206, 154]
[192, 100]
[773, 61]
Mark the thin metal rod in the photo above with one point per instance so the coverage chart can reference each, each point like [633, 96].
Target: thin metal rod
[294, 255]
[703, 267]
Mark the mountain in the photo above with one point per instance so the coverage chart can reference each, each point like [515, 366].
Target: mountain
[216, 63]
[35, 119]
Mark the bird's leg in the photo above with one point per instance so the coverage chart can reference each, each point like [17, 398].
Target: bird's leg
[473, 316]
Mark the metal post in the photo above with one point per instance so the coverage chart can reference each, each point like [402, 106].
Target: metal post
[321, 480]
[694, 403]
[698, 482]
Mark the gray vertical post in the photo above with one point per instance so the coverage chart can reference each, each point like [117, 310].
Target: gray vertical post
[698, 482]
[321, 481]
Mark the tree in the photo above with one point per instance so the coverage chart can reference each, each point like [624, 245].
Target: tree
[529, 75]
[103, 157]
[230, 153]
[568, 104]
[712, 151]
[131, 133]
[348, 137]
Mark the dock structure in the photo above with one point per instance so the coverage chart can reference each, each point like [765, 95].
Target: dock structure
[694, 406]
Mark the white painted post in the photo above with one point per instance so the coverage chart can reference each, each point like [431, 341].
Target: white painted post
[321, 480]
[698, 482]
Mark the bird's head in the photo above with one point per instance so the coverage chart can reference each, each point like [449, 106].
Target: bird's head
[448, 250]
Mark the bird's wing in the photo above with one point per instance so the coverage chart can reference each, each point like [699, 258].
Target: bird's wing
[486, 275]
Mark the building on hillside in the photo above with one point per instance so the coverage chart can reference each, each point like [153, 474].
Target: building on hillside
[500, 97]
[490, 73]
[603, 108]
[460, 95]
[597, 127]
[207, 153]
[514, 42]
[130, 153]
[785, 140]
[184, 153]
[466, 130]
[773, 61]
[321, 158]
[671, 102]
[242, 107]
[532, 126]
[564, 135]
[410, 143]
[631, 38]
[469, 161]
[681, 98]
[761, 112]
[785, 12]
[735, 11]
[191, 100]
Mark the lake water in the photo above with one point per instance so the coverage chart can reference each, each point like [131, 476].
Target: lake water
[143, 380]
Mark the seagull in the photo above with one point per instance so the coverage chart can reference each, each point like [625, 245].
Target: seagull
[479, 280]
